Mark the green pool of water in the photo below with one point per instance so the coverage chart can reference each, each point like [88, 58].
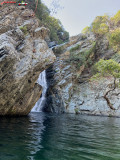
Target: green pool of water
[43, 136]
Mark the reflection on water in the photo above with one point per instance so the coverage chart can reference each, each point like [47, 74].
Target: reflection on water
[59, 137]
[20, 138]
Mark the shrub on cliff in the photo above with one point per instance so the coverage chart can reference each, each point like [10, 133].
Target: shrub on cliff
[75, 48]
[116, 57]
[57, 32]
[116, 18]
[24, 29]
[86, 30]
[114, 38]
[109, 67]
[100, 25]
[82, 58]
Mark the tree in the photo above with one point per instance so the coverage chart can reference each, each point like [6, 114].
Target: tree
[100, 25]
[57, 32]
[114, 38]
[86, 30]
[103, 28]
[109, 67]
[116, 18]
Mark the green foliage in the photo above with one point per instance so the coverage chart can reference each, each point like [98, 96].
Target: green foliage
[24, 29]
[97, 77]
[79, 58]
[94, 69]
[86, 30]
[108, 67]
[76, 110]
[116, 18]
[103, 28]
[104, 25]
[75, 48]
[114, 38]
[82, 57]
[59, 49]
[100, 25]
[116, 57]
[57, 32]
[88, 52]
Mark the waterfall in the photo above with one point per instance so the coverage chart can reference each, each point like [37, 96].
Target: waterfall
[40, 103]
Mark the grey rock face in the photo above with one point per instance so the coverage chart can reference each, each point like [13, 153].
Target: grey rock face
[23, 55]
[90, 99]
[72, 84]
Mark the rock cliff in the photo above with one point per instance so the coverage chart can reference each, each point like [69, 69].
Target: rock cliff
[23, 55]
[71, 89]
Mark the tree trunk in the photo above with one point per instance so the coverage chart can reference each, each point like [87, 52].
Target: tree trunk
[107, 99]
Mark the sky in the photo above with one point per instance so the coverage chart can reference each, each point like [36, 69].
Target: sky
[77, 14]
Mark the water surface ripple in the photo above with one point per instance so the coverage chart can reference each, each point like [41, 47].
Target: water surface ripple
[43, 136]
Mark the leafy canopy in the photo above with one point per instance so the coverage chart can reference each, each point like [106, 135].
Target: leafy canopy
[116, 18]
[86, 30]
[100, 25]
[109, 67]
[57, 31]
[114, 38]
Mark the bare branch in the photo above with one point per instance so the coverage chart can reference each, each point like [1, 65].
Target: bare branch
[107, 99]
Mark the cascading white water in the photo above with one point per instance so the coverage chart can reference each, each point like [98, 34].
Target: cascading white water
[40, 103]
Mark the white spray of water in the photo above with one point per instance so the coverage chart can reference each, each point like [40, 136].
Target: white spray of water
[40, 103]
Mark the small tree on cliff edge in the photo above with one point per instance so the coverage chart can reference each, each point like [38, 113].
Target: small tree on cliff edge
[109, 67]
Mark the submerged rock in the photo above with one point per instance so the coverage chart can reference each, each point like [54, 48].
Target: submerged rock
[23, 55]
